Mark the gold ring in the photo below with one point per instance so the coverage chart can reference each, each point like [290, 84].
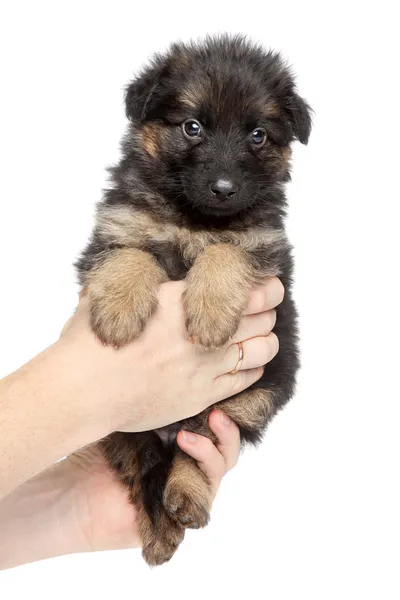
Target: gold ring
[239, 362]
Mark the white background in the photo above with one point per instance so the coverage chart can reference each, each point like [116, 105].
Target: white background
[314, 513]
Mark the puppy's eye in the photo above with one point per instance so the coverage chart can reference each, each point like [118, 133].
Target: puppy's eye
[191, 128]
[259, 137]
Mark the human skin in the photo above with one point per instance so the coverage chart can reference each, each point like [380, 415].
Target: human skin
[79, 505]
[78, 391]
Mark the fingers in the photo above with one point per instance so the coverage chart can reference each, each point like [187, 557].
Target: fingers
[256, 353]
[228, 436]
[214, 461]
[228, 385]
[265, 297]
[255, 326]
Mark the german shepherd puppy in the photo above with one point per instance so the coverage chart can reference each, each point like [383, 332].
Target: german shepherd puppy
[198, 195]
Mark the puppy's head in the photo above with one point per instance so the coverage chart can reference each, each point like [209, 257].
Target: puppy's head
[214, 123]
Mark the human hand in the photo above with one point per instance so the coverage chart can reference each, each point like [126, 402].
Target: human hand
[77, 391]
[102, 513]
[79, 505]
[162, 377]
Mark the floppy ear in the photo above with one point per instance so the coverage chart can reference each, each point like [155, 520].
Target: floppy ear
[300, 117]
[140, 92]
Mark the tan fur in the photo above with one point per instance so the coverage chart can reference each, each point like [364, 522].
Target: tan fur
[181, 61]
[125, 462]
[123, 294]
[150, 138]
[251, 409]
[286, 154]
[217, 291]
[191, 96]
[159, 541]
[271, 110]
[125, 226]
[188, 494]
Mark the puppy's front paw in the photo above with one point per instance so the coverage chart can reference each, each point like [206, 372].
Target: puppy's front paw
[218, 287]
[117, 320]
[211, 318]
[123, 295]
[210, 325]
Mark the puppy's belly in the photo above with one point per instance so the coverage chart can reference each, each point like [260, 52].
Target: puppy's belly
[168, 433]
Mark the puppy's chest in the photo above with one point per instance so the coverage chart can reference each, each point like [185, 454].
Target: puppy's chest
[176, 247]
[171, 260]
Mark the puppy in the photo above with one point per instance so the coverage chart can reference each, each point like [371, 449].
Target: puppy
[198, 194]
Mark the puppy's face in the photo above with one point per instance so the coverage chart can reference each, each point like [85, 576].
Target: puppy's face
[214, 124]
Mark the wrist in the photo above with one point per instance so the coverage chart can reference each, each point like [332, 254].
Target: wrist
[38, 519]
[45, 415]
[80, 396]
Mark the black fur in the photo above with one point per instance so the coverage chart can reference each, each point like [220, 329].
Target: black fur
[235, 87]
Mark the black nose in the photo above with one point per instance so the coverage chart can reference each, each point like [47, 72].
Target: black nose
[224, 188]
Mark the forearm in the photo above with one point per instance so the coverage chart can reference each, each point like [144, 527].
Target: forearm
[43, 416]
[37, 520]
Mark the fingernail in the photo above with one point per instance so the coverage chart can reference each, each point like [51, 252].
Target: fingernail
[225, 419]
[188, 436]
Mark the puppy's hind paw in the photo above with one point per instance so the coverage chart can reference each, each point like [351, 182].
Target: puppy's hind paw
[164, 542]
